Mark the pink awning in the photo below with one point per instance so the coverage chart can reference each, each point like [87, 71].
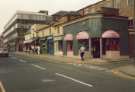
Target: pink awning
[110, 34]
[82, 35]
[68, 37]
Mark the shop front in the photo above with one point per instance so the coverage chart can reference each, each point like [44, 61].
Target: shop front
[83, 39]
[43, 45]
[58, 45]
[50, 45]
[102, 36]
[69, 44]
[28, 45]
[111, 44]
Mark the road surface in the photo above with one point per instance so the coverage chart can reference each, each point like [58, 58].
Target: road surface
[31, 75]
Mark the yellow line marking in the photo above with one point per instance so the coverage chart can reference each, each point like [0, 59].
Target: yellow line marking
[2, 89]
[120, 74]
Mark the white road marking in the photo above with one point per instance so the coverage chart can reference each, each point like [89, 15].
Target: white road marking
[47, 80]
[22, 61]
[39, 67]
[75, 80]
[2, 89]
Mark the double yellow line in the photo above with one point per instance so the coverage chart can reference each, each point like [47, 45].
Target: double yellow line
[2, 89]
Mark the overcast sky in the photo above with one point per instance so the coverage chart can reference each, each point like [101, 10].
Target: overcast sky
[9, 7]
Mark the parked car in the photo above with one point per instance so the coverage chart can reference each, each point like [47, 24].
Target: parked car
[4, 52]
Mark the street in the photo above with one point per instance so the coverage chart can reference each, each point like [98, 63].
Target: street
[34, 75]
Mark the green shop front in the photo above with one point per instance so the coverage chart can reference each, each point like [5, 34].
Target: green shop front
[102, 36]
[47, 45]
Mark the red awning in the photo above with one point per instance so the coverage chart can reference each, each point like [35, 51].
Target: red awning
[82, 35]
[68, 37]
[110, 34]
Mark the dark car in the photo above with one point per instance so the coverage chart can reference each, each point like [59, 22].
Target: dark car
[4, 52]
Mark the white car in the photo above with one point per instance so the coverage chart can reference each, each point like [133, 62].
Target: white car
[4, 52]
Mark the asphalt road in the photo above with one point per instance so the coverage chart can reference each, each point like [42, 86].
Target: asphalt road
[31, 75]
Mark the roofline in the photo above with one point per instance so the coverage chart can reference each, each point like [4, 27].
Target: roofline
[99, 15]
[91, 5]
[22, 12]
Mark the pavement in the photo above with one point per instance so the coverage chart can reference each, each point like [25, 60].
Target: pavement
[119, 67]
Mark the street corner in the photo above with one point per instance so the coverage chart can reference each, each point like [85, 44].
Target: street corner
[2, 89]
[122, 74]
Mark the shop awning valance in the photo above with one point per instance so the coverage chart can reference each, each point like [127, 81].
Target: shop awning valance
[110, 34]
[68, 37]
[28, 41]
[82, 35]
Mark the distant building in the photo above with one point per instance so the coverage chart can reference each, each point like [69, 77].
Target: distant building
[1, 41]
[19, 24]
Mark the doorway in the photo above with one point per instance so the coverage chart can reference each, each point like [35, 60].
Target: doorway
[50, 46]
[95, 46]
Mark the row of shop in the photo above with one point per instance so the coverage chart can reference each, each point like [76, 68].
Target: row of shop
[102, 36]
[106, 45]
[48, 45]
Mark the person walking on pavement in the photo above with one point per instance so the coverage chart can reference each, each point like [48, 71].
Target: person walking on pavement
[32, 48]
[82, 52]
[38, 50]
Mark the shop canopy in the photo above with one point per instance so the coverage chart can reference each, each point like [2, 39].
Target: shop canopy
[68, 37]
[110, 34]
[82, 35]
[30, 41]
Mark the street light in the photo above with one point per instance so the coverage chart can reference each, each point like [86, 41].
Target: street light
[134, 25]
[134, 15]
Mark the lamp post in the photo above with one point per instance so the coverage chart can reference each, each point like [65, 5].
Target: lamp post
[132, 6]
[134, 15]
[134, 26]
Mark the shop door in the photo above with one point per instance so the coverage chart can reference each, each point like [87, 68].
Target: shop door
[95, 45]
[50, 46]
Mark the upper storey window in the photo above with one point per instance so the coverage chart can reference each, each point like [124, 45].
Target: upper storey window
[117, 3]
[86, 11]
[130, 3]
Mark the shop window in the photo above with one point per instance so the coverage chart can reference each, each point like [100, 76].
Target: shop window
[130, 23]
[69, 46]
[112, 44]
[130, 3]
[117, 3]
[85, 43]
[86, 11]
[58, 30]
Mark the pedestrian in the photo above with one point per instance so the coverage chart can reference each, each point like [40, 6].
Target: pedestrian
[32, 48]
[38, 50]
[82, 52]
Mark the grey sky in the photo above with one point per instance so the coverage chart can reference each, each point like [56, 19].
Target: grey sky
[9, 7]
